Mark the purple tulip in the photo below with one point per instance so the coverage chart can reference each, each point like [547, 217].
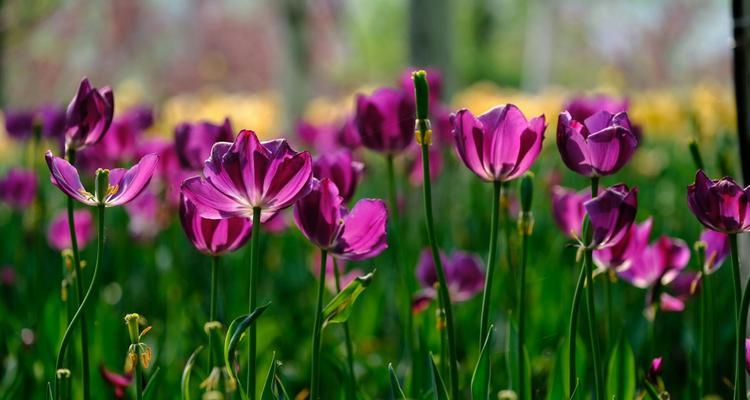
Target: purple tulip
[499, 145]
[582, 107]
[567, 209]
[747, 355]
[611, 214]
[147, 218]
[675, 294]
[348, 135]
[619, 256]
[717, 249]
[659, 263]
[89, 116]
[213, 236]
[53, 121]
[118, 383]
[600, 145]
[463, 273]
[58, 234]
[18, 188]
[385, 120]
[353, 235]
[340, 167]
[194, 141]
[123, 185]
[720, 205]
[246, 174]
[654, 370]
[19, 124]
[120, 144]
[169, 171]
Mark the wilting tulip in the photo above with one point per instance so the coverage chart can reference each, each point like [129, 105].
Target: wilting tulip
[353, 235]
[568, 211]
[119, 383]
[18, 188]
[720, 205]
[58, 234]
[600, 145]
[89, 116]
[463, 272]
[582, 107]
[246, 174]
[385, 120]
[121, 187]
[717, 249]
[194, 141]
[620, 255]
[213, 236]
[341, 169]
[499, 145]
[611, 214]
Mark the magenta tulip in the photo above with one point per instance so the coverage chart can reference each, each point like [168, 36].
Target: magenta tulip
[385, 120]
[19, 124]
[353, 235]
[717, 249]
[654, 370]
[340, 167]
[747, 355]
[246, 174]
[499, 145]
[600, 145]
[213, 236]
[611, 214]
[582, 107]
[464, 274]
[568, 211]
[619, 256]
[659, 263]
[348, 135]
[118, 383]
[89, 116]
[58, 234]
[194, 141]
[720, 205]
[123, 186]
[147, 216]
[18, 188]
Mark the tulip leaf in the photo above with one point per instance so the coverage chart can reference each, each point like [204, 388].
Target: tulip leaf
[439, 391]
[49, 391]
[340, 307]
[512, 362]
[273, 388]
[148, 391]
[185, 385]
[480, 380]
[396, 391]
[621, 372]
[234, 333]
[560, 374]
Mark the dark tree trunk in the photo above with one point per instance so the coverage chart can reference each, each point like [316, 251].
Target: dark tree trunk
[741, 21]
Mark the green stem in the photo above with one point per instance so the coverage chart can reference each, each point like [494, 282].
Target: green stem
[486, 296]
[741, 319]
[137, 373]
[702, 338]
[572, 332]
[608, 291]
[439, 267]
[522, 315]
[351, 393]
[708, 285]
[588, 264]
[252, 302]
[212, 310]
[79, 312]
[79, 286]
[315, 380]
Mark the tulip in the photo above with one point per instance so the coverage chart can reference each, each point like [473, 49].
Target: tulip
[89, 116]
[659, 263]
[194, 141]
[114, 188]
[747, 355]
[568, 211]
[500, 145]
[611, 214]
[19, 124]
[348, 135]
[619, 256]
[146, 215]
[676, 293]
[463, 272]
[119, 383]
[600, 145]
[213, 236]
[720, 205]
[18, 188]
[385, 120]
[582, 107]
[58, 234]
[340, 167]
[717, 249]
[169, 171]
[53, 121]
[654, 370]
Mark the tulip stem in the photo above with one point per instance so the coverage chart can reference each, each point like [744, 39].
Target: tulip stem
[79, 286]
[315, 376]
[573, 379]
[588, 265]
[443, 286]
[79, 312]
[351, 395]
[741, 318]
[253, 295]
[487, 294]
[212, 310]
[137, 372]
[522, 314]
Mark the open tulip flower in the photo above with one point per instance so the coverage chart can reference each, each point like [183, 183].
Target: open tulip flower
[611, 214]
[358, 234]
[720, 205]
[246, 174]
[717, 249]
[600, 145]
[213, 236]
[122, 187]
[385, 120]
[89, 116]
[568, 211]
[463, 272]
[340, 167]
[659, 263]
[194, 141]
[619, 256]
[499, 145]
[58, 234]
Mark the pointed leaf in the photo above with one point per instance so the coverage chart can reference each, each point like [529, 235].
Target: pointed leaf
[480, 379]
[268, 386]
[185, 385]
[621, 372]
[148, 391]
[340, 307]
[236, 328]
[439, 391]
[396, 391]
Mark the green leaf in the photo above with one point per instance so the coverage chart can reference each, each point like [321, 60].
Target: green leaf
[512, 362]
[236, 328]
[396, 391]
[480, 379]
[340, 307]
[185, 385]
[621, 373]
[50, 396]
[439, 391]
[268, 386]
[148, 391]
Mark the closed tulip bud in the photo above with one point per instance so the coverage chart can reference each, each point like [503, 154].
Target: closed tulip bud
[89, 116]
[720, 205]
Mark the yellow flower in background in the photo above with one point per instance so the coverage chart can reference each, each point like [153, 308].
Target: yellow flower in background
[712, 107]
[660, 114]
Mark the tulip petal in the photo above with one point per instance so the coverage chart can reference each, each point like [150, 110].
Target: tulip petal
[364, 232]
[211, 202]
[65, 177]
[132, 182]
